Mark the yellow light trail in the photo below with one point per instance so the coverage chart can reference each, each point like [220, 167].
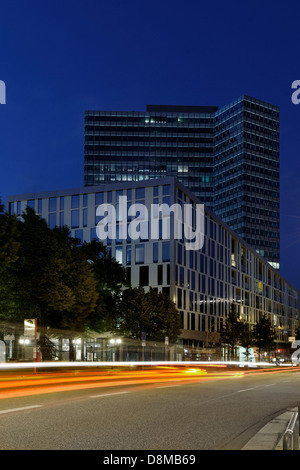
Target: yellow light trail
[59, 381]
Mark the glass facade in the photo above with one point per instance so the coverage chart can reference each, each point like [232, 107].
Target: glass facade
[246, 191]
[227, 157]
[137, 146]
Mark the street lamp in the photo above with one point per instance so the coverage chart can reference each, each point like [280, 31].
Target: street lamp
[24, 342]
[77, 343]
[113, 343]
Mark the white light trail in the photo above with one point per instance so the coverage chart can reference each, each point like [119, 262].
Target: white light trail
[55, 364]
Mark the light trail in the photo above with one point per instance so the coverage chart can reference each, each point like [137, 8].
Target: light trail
[166, 373]
[62, 364]
[24, 386]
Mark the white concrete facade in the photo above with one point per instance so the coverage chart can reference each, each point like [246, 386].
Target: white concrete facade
[202, 283]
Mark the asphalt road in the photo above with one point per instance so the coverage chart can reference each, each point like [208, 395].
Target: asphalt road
[209, 415]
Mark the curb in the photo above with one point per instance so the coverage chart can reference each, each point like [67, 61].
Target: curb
[270, 437]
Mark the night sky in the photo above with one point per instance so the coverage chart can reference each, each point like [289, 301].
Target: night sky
[60, 58]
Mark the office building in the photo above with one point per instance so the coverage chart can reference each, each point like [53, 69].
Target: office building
[203, 283]
[228, 157]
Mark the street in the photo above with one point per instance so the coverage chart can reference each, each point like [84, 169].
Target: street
[211, 411]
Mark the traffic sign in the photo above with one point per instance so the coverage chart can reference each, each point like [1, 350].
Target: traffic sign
[29, 327]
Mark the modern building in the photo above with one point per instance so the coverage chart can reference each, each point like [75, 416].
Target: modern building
[228, 157]
[202, 282]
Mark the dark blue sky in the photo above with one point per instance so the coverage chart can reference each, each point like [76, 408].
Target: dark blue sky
[59, 58]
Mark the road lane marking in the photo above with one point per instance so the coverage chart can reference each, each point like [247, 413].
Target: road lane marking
[269, 385]
[245, 390]
[168, 386]
[20, 409]
[107, 394]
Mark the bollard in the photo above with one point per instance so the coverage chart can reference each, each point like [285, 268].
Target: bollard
[296, 434]
[287, 440]
[291, 435]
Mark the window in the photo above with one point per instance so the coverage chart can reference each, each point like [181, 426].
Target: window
[139, 254]
[93, 234]
[119, 234]
[192, 321]
[167, 200]
[75, 218]
[191, 259]
[85, 200]
[52, 220]
[140, 193]
[61, 219]
[166, 291]
[193, 284]
[159, 274]
[52, 204]
[179, 298]
[79, 235]
[182, 320]
[11, 208]
[128, 254]
[144, 275]
[119, 194]
[99, 198]
[119, 254]
[166, 251]
[40, 206]
[155, 252]
[31, 204]
[75, 201]
[85, 217]
[181, 276]
[179, 253]
[62, 203]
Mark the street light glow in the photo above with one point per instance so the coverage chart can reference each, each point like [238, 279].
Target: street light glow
[24, 341]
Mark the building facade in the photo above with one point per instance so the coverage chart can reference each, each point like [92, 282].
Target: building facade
[228, 157]
[202, 282]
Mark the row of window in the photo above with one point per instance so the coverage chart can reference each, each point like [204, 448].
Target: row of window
[124, 255]
[58, 203]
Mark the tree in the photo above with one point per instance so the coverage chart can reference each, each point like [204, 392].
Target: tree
[9, 247]
[149, 312]
[164, 317]
[230, 334]
[9, 253]
[47, 274]
[56, 283]
[9, 239]
[110, 280]
[133, 313]
[246, 338]
[82, 283]
[264, 334]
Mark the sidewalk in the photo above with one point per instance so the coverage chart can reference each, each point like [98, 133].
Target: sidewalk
[270, 437]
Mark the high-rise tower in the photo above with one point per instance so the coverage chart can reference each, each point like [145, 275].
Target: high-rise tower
[228, 157]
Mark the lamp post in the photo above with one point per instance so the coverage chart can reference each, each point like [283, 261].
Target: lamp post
[76, 343]
[113, 343]
[24, 342]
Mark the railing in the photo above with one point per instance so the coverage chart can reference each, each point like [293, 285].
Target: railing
[291, 435]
